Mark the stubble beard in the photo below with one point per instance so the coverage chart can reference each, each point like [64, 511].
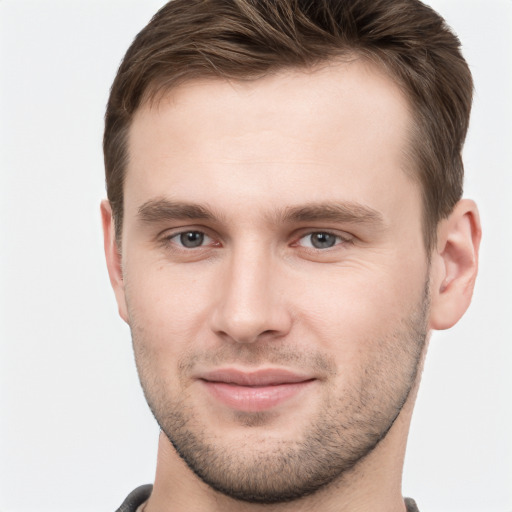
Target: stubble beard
[345, 430]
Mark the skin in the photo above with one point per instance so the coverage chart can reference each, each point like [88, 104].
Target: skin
[258, 169]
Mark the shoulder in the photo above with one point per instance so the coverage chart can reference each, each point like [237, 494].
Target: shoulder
[410, 505]
[136, 498]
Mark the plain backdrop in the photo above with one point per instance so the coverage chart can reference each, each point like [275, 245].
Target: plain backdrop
[75, 432]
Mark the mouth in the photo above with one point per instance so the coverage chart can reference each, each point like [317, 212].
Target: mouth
[254, 391]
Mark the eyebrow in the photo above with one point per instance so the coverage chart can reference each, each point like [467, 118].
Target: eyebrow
[347, 212]
[160, 210]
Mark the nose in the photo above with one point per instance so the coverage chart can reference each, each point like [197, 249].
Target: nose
[251, 303]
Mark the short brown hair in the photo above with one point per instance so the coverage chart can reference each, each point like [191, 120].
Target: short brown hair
[246, 39]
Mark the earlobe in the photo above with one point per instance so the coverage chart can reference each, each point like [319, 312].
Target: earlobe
[454, 265]
[113, 258]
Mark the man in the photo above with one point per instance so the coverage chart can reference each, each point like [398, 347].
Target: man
[283, 231]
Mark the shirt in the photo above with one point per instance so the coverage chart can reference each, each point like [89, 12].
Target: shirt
[139, 496]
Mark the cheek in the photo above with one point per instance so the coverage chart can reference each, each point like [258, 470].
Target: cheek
[166, 324]
[166, 307]
[359, 306]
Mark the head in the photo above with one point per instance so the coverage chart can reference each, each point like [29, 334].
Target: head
[284, 228]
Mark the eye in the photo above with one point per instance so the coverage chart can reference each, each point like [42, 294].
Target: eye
[190, 239]
[320, 240]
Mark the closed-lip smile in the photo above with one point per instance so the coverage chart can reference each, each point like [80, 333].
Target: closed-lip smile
[256, 390]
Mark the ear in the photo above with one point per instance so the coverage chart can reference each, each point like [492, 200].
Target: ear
[113, 257]
[454, 265]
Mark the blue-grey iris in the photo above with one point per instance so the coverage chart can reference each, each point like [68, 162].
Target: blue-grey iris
[322, 240]
[192, 239]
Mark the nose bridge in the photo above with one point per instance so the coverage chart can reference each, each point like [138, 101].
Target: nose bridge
[248, 306]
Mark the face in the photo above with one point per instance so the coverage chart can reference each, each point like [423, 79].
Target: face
[274, 274]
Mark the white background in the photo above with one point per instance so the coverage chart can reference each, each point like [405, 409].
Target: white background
[75, 432]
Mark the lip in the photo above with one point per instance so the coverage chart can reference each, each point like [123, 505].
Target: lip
[254, 391]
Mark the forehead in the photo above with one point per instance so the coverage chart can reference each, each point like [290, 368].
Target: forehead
[335, 132]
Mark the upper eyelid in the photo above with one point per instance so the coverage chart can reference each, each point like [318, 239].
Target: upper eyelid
[166, 237]
[174, 235]
[344, 235]
[170, 233]
[340, 239]
[329, 231]
[300, 233]
[174, 231]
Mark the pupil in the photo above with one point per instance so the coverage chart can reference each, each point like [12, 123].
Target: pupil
[192, 239]
[323, 240]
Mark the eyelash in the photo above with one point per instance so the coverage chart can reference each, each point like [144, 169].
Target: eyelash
[339, 240]
[169, 240]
